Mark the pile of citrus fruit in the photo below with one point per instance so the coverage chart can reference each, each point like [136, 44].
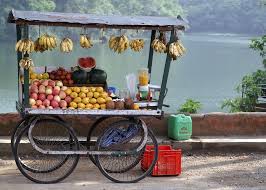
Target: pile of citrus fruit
[87, 97]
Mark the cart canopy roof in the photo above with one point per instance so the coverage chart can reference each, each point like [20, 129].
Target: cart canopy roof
[94, 21]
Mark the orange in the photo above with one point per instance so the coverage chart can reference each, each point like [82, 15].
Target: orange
[96, 94]
[99, 89]
[77, 89]
[84, 89]
[100, 100]
[85, 100]
[68, 91]
[108, 99]
[81, 105]
[89, 106]
[104, 94]
[96, 106]
[90, 94]
[82, 95]
[73, 94]
[77, 99]
[103, 106]
[73, 104]
[93, 101]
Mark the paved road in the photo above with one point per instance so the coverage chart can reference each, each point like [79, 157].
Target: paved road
[201, 170]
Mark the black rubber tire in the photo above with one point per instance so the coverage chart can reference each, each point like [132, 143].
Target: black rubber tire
[107, 173]
[58, 179]
[21, 125]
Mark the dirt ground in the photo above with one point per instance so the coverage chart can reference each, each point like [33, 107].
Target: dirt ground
[201, 170]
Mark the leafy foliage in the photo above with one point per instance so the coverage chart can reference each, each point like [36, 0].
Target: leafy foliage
[250, 84]
[190, 106]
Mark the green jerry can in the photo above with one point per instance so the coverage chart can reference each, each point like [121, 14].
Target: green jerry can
[179, 127]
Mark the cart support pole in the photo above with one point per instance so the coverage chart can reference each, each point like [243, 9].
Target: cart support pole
[165, 73]
[19, 57]
[26, 71]
[153, 33]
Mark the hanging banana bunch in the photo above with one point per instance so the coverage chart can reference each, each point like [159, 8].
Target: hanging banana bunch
[25, 46]
[176, 49]
[85, 41]
[45, 42]
[66, 45]
[137, 44]
[26, 63]
[119, 44]
[159, 44]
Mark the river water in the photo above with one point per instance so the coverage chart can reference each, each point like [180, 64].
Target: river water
[212, 67]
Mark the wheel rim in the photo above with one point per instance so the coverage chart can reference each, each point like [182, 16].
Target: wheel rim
[43, 168]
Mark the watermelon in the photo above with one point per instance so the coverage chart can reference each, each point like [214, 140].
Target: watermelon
[86, 62]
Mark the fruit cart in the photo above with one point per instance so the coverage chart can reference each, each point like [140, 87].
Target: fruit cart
[121, 134]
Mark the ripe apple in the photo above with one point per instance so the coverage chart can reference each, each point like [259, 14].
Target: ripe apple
[50, 107]
[62, 95]
[38, 102]
[65, 82]
[68, 99]
[63, 104]
[62, 77]
[55, 92]
[57, 98]
[57, 88]
[34, 88]
[70, 82]
[45, 82]
[36, 82]
[42, 97]
[63, 88]
[51, 83]
[34, 107]
[41, 107]
[46, 103]
[54, 104]
[50, 97]
[51, 76]
[48, 91]
[32, 101]
[68, 76]
[34, 96]
[59, 83]
[42, 89]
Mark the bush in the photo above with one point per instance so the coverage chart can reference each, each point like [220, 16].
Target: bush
[190, 106]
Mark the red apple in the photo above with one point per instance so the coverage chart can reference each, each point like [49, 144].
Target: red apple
[50, 97]
[32, 101]
[68, 76]
[34, 107]
[54, 104]
[45, 82]
[51, 83]
[42, 89]
[57, 88]
[64, 72]
[42, 97]
[34, 96]
[57, 98]
[70, 82]
[63, 104]
[58, 72]
[36, 82]
[59, 83]
[34, 88]
[38, 102]
[68, 99]
[65, 82]
[63, 88]
[41, 107]
[46, 103]
[62, 77]
[56, 92]
[50, 107]
[48, 91]
[62, 95]
[52, 76]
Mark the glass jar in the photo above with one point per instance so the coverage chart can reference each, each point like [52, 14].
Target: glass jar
[144, 77]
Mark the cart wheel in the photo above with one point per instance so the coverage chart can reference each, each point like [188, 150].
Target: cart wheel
[124, 168]
[50, 134]
[101, 124]
[19, 129]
